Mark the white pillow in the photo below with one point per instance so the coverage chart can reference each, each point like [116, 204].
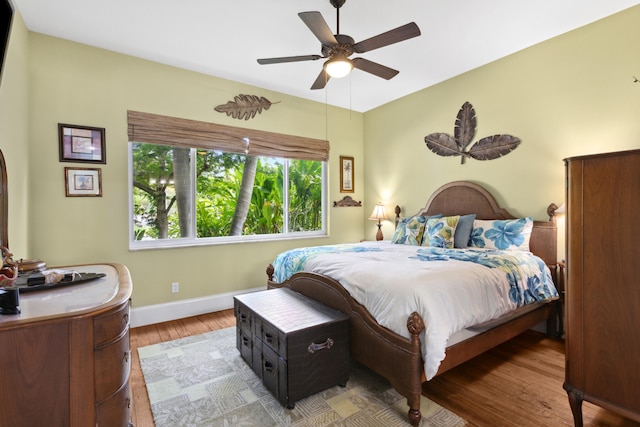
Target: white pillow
[505, 234]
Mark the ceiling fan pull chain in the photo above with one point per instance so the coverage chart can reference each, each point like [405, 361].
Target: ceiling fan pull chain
[350, 97]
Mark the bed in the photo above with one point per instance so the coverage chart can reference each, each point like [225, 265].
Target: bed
[399, 355]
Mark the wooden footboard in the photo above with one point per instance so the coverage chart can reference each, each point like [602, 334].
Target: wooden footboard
[394, 357]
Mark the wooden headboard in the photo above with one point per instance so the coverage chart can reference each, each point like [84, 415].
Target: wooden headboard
[464, 197]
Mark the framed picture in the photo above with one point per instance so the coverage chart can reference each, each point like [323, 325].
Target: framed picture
[346, 174]
[81, 144]
[83, 182]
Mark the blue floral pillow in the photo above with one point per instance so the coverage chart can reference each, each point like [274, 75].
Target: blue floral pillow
[440, 232]
[506, 235]
[410, 230]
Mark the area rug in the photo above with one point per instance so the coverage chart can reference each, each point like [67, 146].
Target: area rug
[202, 381]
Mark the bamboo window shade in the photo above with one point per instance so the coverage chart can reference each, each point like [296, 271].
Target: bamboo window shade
[156, 129]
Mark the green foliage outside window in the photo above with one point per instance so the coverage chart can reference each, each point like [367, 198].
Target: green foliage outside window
[164, 194]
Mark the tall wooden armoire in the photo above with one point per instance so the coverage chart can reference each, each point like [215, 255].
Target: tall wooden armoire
[603, 283]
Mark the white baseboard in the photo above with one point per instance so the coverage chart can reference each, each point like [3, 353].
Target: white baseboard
[158, 313]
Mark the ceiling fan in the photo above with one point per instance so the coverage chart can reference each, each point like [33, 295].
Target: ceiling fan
[339, 47]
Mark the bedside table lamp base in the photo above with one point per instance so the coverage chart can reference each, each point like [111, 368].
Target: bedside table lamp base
[378, 214]
[379, 233]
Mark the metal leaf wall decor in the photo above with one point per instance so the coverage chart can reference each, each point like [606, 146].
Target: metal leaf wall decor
[245, 106]
[460, 144]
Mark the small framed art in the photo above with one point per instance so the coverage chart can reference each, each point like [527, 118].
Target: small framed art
[346, 174]
[81, 144]
[83, 182]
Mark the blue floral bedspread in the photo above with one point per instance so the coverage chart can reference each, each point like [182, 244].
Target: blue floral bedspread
[528, 276]
[452, 289]
[293, 261]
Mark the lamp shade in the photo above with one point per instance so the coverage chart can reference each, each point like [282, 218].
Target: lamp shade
[378, 212]
[338, 66]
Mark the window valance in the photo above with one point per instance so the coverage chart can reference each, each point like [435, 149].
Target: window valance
[177, 132]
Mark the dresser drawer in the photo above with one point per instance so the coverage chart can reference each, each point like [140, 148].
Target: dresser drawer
[112, 367]
[110, 325]
[115, 412]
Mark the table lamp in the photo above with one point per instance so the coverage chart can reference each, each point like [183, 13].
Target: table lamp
[378, 214]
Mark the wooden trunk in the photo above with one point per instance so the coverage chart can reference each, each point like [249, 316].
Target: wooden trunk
[603, 283]
[298, 346]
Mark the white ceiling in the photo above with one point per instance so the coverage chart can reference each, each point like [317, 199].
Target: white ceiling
[224, 39]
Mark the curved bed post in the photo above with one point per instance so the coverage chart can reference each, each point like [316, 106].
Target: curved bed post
[551, 211]
[415, 325]
[397, 211]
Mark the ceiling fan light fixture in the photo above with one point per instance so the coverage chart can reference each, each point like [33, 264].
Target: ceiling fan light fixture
[338, 66]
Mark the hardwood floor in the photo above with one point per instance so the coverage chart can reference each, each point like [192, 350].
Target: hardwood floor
[516, 384]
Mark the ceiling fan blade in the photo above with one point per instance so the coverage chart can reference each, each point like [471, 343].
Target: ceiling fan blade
[396, 35]
[321, 81]
[374, 68]
[265, 61]
[318, 27]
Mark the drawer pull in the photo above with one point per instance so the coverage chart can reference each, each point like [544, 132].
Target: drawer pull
[126, 356]
[125, 318]
[269, 338]
[243, 318]
[268, 367]
[313, 347]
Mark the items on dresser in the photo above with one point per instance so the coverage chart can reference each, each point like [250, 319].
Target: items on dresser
[26, 265]
[65, 359]
[603, 290]
[9, 300]
[38, 280]
[297, 346]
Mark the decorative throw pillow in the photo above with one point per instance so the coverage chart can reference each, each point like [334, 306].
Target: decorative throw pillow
[439, 232]
[463, 231]
[410, 230]
[506, 235]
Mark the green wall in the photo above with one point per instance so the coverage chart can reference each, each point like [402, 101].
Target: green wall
[568, 96]
[81, 85]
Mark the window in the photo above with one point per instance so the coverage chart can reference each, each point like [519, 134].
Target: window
[204, 194]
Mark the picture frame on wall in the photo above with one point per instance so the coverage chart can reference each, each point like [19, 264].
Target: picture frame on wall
[81, 144]
[83, 182]
[346, 174]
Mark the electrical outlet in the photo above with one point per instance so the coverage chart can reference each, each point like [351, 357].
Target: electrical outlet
[175, 287]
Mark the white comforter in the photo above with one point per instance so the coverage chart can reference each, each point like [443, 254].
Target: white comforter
[451, 289]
